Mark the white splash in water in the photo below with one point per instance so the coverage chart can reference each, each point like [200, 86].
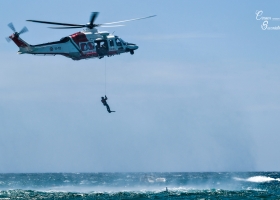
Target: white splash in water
[258, 179]
[160, 180]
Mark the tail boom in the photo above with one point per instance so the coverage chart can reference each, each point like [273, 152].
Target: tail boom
[18, 41]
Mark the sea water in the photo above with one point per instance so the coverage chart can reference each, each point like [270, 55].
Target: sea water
[212, 185]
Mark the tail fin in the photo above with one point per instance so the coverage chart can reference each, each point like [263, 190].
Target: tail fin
[18, 41]
[15, 36]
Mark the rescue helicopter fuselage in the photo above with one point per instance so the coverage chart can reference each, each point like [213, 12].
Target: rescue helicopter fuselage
[89, 43]
[81, 45]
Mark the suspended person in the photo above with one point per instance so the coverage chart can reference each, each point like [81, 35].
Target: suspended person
[103, 100]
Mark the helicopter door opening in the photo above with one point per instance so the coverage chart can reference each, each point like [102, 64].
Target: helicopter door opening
[101, 47]
[111, 45]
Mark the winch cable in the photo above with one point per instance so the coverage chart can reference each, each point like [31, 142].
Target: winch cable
[105, 74]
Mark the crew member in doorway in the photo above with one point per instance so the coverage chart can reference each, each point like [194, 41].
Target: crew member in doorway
[103, 100]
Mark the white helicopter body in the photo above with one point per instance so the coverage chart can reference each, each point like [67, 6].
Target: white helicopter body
[89, 43]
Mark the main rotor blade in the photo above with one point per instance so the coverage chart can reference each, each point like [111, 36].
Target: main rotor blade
[83, 27]
[66, 27]
[130, 20]
[55, 23]
[93, 17]
[111, 26]
[23, 30]
[12, 26]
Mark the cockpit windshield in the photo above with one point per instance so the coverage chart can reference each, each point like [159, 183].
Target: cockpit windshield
[120, 42]
[124, 43]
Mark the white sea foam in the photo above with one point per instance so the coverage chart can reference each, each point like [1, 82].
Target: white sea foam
[152, 179]
[139, 189]
[257, 179]
[160, 180]
[256, 189]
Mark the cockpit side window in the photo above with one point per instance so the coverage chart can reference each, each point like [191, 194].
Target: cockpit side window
[118, 42]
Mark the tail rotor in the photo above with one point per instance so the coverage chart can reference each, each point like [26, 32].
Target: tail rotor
[23, 30]
[12, 27]
[16, 34]
[8, 39]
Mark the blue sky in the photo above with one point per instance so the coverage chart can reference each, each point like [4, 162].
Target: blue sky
[200, 94]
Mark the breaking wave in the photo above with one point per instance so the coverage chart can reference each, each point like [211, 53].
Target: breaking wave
[183, 185]
[258, 179]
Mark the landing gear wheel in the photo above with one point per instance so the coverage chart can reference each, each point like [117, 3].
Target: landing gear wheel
[131, 52]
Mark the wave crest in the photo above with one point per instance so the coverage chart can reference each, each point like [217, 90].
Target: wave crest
[258, 179]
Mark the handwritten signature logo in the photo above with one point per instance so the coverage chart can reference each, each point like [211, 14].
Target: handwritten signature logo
[265, 19]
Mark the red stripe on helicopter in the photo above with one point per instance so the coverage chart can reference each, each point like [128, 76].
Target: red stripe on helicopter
[18, 41]
[79, 37]
[112, 52]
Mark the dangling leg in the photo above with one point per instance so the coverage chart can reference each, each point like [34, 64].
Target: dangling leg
[108, 109]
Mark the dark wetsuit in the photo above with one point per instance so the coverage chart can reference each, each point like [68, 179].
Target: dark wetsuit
[103, 100]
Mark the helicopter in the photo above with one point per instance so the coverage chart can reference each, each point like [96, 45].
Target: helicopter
[89, 43]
